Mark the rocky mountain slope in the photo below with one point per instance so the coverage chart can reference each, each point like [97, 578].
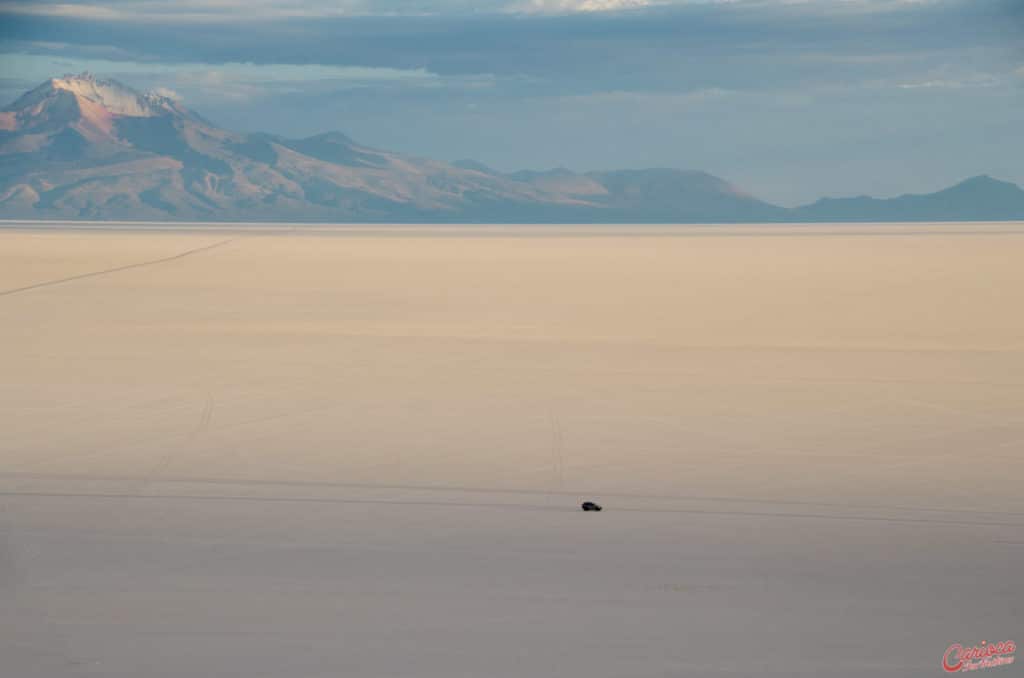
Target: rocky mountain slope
[78, 147]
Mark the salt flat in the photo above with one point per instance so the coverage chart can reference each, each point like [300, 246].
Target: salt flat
[359, 451]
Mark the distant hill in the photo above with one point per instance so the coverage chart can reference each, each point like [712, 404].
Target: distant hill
[977, 199]
[78, 147]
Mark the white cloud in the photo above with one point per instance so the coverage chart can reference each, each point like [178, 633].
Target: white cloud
[213, 11]
[167, 93]
[572, 6]
[74, 11]
[198, 11]
[980, 80]
[236, 82]
[40, 67]
[243, 82]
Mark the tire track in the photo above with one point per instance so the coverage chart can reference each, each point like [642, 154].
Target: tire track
[204, 419]
[571, 492]
[200, 429]
[116, 269]
[504, 506]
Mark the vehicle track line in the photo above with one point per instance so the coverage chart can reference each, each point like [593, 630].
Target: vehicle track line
[501, 505]
[116, 269]
[571, 492]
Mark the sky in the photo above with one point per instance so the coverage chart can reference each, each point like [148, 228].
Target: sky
[791, 100]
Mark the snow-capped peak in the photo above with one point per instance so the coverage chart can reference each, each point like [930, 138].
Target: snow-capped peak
[113, 96]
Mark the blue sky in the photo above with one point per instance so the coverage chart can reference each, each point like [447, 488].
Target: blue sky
[789, 99]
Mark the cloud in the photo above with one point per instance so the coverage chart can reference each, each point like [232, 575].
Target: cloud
[569, 6]
[559, 48]
[951, 84]
[167, 93]
[220, 11]
[236, 82]
[692, 45]
[257, 10]
[186, 11]
[68, 10]
[40, 66]
[952, 79]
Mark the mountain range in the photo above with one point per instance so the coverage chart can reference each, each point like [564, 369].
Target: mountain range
[79, 147]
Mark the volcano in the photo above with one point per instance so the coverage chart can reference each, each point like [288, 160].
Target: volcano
[81, 147]
[88, 148]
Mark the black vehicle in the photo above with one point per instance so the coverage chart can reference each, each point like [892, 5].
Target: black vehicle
[590, 506]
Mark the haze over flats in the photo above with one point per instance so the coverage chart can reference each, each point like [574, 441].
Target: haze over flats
[78, 147]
